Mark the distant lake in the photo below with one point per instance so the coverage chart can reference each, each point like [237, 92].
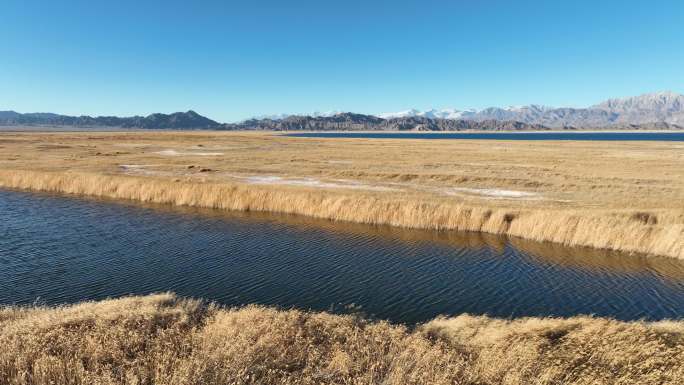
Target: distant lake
[56, 249]
[574, 135]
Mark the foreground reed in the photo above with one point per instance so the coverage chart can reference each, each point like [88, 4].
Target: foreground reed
[654, 232]
[163, 339]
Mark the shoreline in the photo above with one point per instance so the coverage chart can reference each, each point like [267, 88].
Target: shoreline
[650, 233]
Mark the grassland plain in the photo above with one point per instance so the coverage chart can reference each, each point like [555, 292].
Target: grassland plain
[626, 196]
[163, 339]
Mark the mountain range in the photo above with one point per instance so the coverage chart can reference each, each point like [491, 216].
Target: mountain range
[660, 107]
[176, 120]
[661, 110]
[348, 121]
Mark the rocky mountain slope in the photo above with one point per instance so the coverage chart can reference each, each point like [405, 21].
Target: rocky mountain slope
[655, 108]
[357, 122]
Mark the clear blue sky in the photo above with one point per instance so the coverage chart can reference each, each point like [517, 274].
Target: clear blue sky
[231, 60]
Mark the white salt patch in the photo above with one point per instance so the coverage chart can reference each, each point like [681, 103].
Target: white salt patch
[263, 179]
[178, 153]
[131, 166]
[311, 182]
[491, 193]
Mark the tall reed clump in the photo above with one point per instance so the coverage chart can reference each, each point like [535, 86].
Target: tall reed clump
[162, 339]
[656, 233]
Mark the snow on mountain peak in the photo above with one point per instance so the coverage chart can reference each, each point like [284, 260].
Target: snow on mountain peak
[445, 113]
[315, 114]
[664, 106]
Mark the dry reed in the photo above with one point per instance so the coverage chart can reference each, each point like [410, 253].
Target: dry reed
[162, 339]
[655, 233]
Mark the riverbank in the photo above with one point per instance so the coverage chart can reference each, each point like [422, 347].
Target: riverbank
[163, 339]
[609, 195]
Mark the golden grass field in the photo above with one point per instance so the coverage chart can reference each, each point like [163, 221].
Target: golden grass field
[163, 339]
[626, 196]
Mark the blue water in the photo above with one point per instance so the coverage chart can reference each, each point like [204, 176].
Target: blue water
[56, 249]
[576, 135]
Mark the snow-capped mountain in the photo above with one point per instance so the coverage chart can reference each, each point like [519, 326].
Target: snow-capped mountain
[447, 113]
[520, 113]
[315, 114]
[270, 117]
[659, 107]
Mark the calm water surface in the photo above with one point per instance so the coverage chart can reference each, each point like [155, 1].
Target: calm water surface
[575, 135]
[56, 249]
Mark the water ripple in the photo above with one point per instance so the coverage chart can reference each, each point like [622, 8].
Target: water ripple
[62, 249]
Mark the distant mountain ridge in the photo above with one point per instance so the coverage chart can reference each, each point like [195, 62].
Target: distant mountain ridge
[659, 107]
[358, 122]
[176, 120]
[661, 110]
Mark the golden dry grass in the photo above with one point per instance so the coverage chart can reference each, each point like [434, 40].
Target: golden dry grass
[162, 339]
[625, 196]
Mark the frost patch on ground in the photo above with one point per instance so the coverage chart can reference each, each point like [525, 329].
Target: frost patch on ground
[133, 167]
[311, 182]
[492, 193]
[178, 153]
[139, 169]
